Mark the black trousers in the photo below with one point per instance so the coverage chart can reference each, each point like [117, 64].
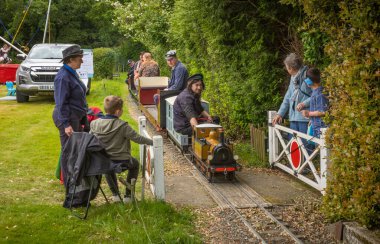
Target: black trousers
[75, 124]
[133, 172]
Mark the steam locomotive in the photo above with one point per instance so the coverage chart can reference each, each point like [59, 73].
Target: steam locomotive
[208, 148]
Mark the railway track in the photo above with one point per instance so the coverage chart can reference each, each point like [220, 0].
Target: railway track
[262, 219]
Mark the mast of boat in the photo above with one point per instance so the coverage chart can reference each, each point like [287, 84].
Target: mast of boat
[47, 21]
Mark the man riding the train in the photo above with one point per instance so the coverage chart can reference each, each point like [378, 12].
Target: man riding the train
[188, 110]
[179, 75]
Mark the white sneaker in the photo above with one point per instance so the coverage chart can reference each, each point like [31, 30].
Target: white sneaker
[116, 198]
[127, 200]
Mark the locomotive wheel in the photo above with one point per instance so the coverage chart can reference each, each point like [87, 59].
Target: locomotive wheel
[209, 176]
[231, 176]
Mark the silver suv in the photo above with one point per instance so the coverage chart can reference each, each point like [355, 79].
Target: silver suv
[35, 75]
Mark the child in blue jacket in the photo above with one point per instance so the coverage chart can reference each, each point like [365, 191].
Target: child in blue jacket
[318, 102]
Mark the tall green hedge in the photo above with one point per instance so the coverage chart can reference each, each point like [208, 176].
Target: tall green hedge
[104, 62]
[233, 48]
[352, 79]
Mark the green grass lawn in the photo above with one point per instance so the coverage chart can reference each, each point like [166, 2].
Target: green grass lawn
[31, 197]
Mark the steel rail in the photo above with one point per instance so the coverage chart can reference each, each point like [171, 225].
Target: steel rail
[211, 187]
[241, 217]
[259, 205]
[225, 199]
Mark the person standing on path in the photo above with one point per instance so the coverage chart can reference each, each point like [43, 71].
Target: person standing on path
[297, 96]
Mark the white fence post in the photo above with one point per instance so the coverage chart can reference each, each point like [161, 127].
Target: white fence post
[324, 160]
[142, 125]
[159, 177]
[154, 170]
[272, 138]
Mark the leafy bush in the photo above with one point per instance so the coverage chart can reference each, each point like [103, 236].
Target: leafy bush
[239, 50]
[352, 79]
[104, 62]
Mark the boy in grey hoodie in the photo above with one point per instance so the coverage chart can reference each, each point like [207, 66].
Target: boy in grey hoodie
[116, 135]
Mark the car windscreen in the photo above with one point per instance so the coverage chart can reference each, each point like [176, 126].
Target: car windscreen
[46, 52]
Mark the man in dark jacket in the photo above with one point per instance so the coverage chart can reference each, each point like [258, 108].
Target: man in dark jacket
[188, 107]
[177, 82]
[179, 72]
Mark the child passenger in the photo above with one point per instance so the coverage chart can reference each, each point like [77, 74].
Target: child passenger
[318, 102]
[116, 134]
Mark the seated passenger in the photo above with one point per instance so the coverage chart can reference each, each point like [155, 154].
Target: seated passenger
[188, 110]
[179, 72]
[116, 134]
[179, 76]
[149, 67]
[138, 66]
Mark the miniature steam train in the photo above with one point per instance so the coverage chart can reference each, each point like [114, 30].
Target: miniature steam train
[208, 148]
[212, 153]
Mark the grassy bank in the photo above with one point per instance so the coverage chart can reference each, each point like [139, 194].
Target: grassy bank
[31, 197]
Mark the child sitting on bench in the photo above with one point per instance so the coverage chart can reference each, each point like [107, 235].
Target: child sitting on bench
[116, 135]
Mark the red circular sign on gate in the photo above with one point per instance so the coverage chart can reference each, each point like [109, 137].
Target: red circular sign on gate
[295, 154]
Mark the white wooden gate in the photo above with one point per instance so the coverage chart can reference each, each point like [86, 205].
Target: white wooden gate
[154, 163]
[294, 158]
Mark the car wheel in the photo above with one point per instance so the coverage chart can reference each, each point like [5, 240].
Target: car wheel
[21, 98]
[88, 86]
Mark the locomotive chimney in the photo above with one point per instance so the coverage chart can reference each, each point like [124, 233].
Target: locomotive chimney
[221, 136]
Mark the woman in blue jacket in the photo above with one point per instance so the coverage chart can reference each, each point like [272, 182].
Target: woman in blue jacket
[297, 96]
[70, 95]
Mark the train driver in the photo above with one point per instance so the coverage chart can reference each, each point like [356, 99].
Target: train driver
[188, 110]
